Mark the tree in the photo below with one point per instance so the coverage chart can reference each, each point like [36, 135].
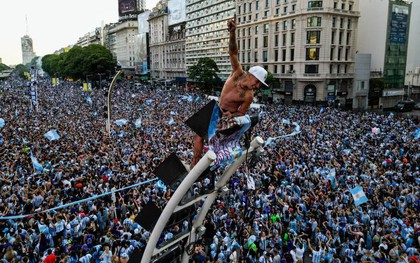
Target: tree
[204, 74]
[3, 67]
[79, 62]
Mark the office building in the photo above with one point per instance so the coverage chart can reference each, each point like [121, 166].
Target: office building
[167, 42]
[308, 46]
[27, 49]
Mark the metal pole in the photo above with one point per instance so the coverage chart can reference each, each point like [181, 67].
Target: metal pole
[173, 202]
[111, 87]
[255, 144]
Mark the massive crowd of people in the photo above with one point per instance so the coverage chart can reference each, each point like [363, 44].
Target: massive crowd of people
[300, 211]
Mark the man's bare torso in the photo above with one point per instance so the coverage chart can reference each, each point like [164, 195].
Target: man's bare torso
[233, 95]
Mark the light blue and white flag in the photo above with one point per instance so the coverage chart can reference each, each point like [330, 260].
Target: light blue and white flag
[138, 123]
[2, 123]
[52, 135]
[149, 101]
[171, 121]
[417, 134]
[358, 195]
[89, 100]
[173, 112]
[121, 122]
[346, 151]
[161, 185]
[286, 121]
[36, 164]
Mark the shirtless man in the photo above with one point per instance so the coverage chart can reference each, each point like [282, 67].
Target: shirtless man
[238, 91]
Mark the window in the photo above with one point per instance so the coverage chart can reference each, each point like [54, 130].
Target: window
[275, 69]
[278, 2]
[276, 55]
[346, 55]
[312, 53]
[348, 39]
[243, 32]
[256, 56]
[340, 38]
[345, 68]
[276, 40]
[350, 7]
[313, 21]
[249, 57]
[256, 29]
[343, 6]
[267, 13]
[257, 5]
[239, 44]
[332, 37]
[283, 69]
[277, 26]
[311, 69]
[339, 53]
[265, 55]
[284, 39]
[277, 11]
[313, 37]
[332, 53]
[256, 42]
[250, 6]
[239, 10]
[257, 16]
[334, 21]
[285, 10]
[243, 56]
[266, 27]
[285, 25]
[314, 4]
[331, 68]
[292, 39]
[293, 7]
[244, 8]
[292, 54]
[335, 5]
[284, 54]
[265, 41]
[338, 69]
[267, 3]
[349, 23]
[293, 23]
[341, 22]
[249, 43]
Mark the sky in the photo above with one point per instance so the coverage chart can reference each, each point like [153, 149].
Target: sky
[52, 24]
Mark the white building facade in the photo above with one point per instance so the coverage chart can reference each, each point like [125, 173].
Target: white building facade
[206, 32]
[309, 46]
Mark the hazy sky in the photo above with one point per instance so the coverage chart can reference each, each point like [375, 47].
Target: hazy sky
[52, 24]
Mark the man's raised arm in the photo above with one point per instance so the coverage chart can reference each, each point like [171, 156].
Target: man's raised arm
[233, 46]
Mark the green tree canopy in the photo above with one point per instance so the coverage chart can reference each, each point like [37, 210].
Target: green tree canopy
[79, 62]
[3, 67]
[204, 74]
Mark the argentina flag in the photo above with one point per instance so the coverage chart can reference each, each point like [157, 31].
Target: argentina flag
[358, 195]
[36, 164]
[52, 135]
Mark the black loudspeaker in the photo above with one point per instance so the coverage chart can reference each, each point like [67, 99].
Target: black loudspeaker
[148, 216]
[199, 121]
[171, 170]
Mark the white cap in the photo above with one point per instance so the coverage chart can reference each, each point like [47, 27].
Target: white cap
[260, 73]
